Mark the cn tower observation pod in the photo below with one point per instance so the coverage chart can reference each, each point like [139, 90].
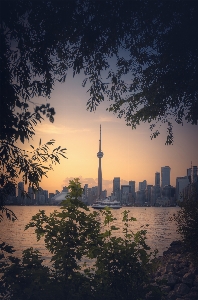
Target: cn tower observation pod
[100, 154]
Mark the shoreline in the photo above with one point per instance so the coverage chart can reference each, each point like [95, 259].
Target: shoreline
[175, 274]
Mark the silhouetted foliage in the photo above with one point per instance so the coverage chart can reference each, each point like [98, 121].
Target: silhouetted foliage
[88, 260]
[21, 80]
[141, 55]
[31, 165]
[187, 223]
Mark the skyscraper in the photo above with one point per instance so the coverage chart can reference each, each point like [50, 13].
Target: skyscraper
[116, 188]
[194, 175]
[142, 185]
[157, 178]
[100, 155]
[86, 191]
[148, 193]
[30, 195]
[181, 183]
[125, 191]
[20, 192]
[165, 176]
[189, 171]
[132, 185]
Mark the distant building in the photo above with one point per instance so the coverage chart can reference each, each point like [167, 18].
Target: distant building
[141, 194]
[31, 195]
[92, 195]
[140, 198]
[125, 194]
[168, 192]
[51, 195]
[181, 184]
[192, 188]
[37, 195]
[194, 177]
[142, 185]
[116, 188]
[157, 178]
[104, 194]
[21, 193]
[65, 189]
[189, 174]
[148, 193]
[45, 194]
[165, 176]
[85, 193]
[41, 199]
[162, 201]
[41, 196]
[100, 156]
[155, 193]
[58, 197]
[10, 196]
[12, 190]
[133, 195]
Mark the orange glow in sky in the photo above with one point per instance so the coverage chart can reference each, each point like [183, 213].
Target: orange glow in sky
[128, 154]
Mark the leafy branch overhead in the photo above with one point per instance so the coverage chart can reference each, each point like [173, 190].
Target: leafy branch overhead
[139, 55]
[21, 82]
[32, 165]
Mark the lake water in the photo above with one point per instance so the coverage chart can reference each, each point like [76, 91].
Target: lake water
[160, 232]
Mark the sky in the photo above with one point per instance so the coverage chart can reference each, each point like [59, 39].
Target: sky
[128, 154]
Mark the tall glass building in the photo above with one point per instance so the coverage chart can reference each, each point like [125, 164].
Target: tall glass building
[165, 176]
[157, 178]
[116, 188]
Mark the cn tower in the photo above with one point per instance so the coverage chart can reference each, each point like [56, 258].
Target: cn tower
[100, 155]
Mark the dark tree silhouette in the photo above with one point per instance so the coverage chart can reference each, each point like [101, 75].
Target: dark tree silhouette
[153, 45]
[21, 80]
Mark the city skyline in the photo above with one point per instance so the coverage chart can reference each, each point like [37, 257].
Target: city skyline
[137, 186]
[129, 154]
[147, 195]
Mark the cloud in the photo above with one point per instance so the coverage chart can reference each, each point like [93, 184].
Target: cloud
[105, 118]
[106, 183]
[90, 181]
[124, 182]
[108, 119]
[54, 129]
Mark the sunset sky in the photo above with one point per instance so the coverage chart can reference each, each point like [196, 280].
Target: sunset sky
[128, 154]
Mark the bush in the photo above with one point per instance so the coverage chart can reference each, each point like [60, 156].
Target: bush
[187, 223]
[119, 267]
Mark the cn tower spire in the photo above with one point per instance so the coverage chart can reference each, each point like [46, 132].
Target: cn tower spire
[100, 140]
[100, 155]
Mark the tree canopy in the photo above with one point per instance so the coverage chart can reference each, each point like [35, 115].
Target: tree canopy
[20, 82]
[153, 46]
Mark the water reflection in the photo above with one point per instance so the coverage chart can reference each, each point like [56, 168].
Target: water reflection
[160, 232]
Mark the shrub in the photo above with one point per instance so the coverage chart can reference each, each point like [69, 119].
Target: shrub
[120, 266]
[187, 223]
